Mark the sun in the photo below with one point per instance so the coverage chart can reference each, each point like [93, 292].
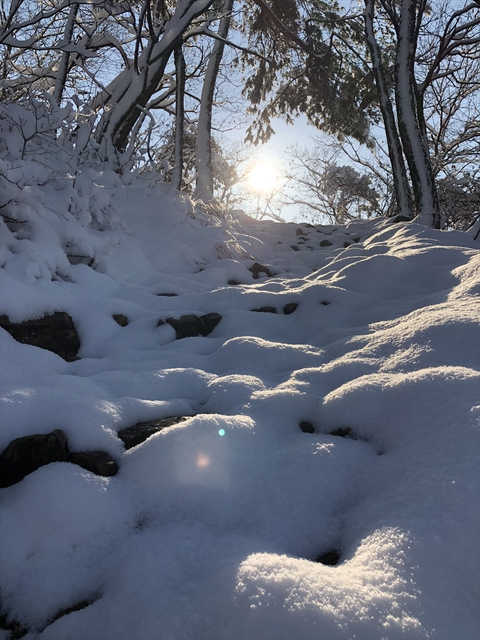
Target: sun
[262, 177]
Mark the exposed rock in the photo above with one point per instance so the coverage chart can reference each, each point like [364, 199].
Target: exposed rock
[88, 260]
[99, 462]
[208, 322]
[330, 559]
[132, 436]
[185, 327]
[17, 631]
[327, 233]
[346, 244]
[290, 308]
[356, 239]
[325, 243]
[55, 332]
[256, 269]
[401, 218]
[167, 295]
[294, 247]
[25, 455]
[299, 231]
[325, 303]
[120, 319]
[342, 432]
[266, 310]
[83, 604]
[307, 427]
[189, 326]
[233, 283]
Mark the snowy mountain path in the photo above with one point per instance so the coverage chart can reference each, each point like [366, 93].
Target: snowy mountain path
[324, 483]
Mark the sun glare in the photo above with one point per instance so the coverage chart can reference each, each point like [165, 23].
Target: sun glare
[262, 177]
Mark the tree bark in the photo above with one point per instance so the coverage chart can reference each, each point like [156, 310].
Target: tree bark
[135, 87]
[65, 59]
[403, 195]
[204, 186]
[414, 143]
[177, 174]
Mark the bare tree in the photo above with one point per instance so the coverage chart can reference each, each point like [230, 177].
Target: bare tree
[324, 188]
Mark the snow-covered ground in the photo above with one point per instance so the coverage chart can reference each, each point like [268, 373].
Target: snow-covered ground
[211, 529]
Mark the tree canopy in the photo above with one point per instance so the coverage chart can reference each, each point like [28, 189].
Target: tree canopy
[151, 80]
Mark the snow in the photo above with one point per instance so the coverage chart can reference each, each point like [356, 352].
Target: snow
[211, 528]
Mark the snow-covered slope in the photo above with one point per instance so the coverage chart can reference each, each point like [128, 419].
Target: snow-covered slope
[211, 529]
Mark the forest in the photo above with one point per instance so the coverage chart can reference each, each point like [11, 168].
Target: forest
[216, 422]
[392, 88]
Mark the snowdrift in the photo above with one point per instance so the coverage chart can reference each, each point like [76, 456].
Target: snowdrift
[345, 425]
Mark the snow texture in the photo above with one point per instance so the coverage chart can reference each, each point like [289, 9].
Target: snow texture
[212, 528]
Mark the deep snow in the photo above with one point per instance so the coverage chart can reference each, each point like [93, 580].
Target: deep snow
[205, 536]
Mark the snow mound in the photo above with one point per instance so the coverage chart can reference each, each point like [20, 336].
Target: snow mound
[213, 527]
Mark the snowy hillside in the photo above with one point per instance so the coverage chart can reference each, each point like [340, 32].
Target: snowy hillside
[324, 484]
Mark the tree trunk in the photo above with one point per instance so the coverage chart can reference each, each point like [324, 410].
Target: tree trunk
[403, 195]
[204, 186]
[65, 59]
[414, 143]
[135, 88]
[177, 174]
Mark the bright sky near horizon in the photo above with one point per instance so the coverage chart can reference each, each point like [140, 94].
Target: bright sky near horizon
[274, 153]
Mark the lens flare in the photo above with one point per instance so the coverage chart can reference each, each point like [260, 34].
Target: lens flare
[203, 461]
[221, 432]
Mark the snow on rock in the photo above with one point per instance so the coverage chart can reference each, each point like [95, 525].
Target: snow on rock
[213, 526]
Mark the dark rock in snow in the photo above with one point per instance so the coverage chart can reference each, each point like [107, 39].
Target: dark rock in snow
[88, 260]
[167, 295]
[294, 247]
[346, 244]
[185, 327]
[266, 310]
[290, 308]
[325, 243]
[208, 322]
[132, 436]
[401, 218]
[55, 332]
[65, 612]
[325, 303]
[342, 432]
[256, 269]
[99, 462]
[25, 455]
[330, 559]
[120, 319]
[17, 631]
[189, 326]
[307, 427]
[82, 604]
[233, 283]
